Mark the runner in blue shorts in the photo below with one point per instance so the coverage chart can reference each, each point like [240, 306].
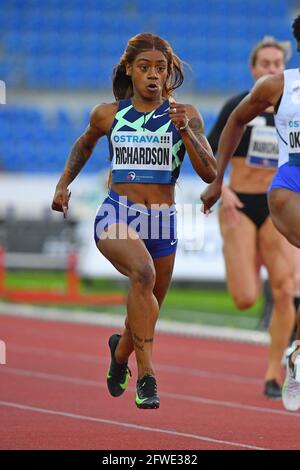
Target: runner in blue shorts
[135, 227]
[282, 91]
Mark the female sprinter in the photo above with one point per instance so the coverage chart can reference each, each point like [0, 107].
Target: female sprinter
[148, 134]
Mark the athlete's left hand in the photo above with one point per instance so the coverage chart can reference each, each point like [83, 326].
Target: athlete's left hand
[178, 114]
[210, 195]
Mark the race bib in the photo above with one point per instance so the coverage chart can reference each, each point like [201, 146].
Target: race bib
[142, 157]
[293, 141]
[263, 151]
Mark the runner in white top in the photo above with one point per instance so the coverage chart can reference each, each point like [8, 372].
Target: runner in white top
[244, 216]
[281, 91]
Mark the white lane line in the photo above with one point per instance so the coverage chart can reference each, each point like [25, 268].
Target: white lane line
[127, 425]
[229, 357]
[175, 396]
[162, 367]
[108, 320]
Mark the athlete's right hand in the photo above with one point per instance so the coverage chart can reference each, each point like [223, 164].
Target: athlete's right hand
[210, 195]
[230, 206]
[61, 198]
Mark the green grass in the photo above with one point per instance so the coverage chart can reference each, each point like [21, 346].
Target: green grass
[56, 280]
[213, 306]
[206, 300]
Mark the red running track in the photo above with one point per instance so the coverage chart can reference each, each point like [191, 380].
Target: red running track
[53, 394]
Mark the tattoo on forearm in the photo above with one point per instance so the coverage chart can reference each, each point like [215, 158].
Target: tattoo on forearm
[197, 127]
[77, 158]
[201, 152]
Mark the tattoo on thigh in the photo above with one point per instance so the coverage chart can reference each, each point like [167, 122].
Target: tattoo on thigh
[140, 342]
[137, 338]
[148, 340]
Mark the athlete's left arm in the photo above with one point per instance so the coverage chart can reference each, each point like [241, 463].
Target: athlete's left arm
[265, 93]
[189, 123]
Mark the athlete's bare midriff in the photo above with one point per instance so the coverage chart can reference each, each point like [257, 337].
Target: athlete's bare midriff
[146, 194]
[248, 179]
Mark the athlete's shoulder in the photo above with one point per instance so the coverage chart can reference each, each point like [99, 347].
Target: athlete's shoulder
[270, 82]
[268, 88]
[294, 71]
[102, 112]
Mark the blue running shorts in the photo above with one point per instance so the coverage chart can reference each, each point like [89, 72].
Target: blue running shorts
[155, 226]
[287, 177]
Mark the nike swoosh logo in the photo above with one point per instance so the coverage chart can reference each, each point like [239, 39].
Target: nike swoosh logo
[173, 242]
[125, 383]
[155, 116]
[139, 400]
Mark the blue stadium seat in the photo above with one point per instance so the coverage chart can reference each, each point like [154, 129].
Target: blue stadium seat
[102, 29]
[50, 45]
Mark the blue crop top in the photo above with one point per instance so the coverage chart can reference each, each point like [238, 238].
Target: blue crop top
[144, 147]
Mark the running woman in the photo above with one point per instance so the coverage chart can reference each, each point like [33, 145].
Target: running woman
[282, 92]
[245, 219]
[148, 133]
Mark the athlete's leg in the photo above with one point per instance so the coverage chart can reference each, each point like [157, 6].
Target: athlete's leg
[164, 269]
[241, 259]
[298, 324]
[296, 295]
[132, 259]
[278, 256]
[285, 213]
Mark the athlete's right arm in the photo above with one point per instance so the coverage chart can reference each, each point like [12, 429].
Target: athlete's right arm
[264, 94]
[80, 153]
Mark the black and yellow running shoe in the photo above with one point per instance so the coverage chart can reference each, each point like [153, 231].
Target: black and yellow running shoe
[146, 393]
[118, 374]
